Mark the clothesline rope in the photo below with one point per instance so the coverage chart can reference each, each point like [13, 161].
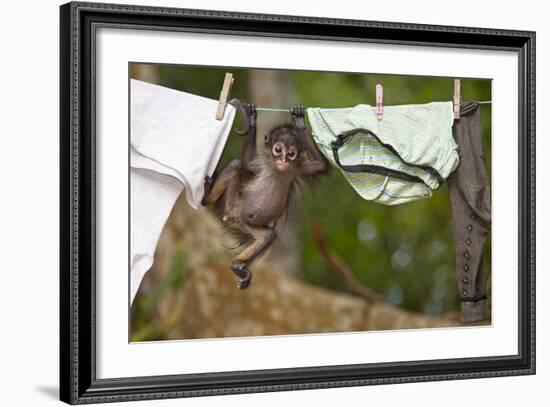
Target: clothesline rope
[278, 109]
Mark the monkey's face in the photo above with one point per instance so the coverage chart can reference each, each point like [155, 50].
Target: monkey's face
[284, 155]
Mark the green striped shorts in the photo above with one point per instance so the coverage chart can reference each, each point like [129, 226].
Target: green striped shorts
[400, 158]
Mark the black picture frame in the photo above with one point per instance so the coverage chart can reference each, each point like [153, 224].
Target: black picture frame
[78, 382]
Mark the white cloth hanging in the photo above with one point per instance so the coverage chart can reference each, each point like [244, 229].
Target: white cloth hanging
[175, 141]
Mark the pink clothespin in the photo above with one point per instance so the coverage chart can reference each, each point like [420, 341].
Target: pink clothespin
[379, 102]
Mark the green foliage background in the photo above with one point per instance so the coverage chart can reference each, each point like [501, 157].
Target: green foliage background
[405, 252]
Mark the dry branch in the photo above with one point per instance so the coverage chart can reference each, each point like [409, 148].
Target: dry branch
[341, 267]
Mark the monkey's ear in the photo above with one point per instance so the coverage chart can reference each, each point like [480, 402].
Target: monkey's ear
[265, 139]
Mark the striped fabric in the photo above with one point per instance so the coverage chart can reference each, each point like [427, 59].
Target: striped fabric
[413, 142]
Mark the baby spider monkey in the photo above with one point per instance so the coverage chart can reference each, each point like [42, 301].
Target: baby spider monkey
[252, 193]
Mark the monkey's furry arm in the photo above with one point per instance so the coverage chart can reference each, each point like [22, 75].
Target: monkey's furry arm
[316, 163]
[248, 111]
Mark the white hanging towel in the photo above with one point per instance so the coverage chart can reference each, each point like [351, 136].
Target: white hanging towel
[175, 141]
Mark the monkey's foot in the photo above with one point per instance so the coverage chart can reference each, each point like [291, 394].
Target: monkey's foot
[240, 269]
[249, 113]
[245, 282]
[208, 184]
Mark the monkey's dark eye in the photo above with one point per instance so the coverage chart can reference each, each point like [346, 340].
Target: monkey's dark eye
[277, 149]
[292, 154]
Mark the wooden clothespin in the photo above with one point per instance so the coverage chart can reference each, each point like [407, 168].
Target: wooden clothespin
[224, 95]
[379, 102]
[456, 99]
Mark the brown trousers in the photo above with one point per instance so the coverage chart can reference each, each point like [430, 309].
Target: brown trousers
[470, 196]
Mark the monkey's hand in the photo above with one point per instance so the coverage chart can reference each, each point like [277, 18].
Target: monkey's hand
[249, 113]
[298, 112]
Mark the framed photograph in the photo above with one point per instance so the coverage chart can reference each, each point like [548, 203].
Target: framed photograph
[254, 203]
